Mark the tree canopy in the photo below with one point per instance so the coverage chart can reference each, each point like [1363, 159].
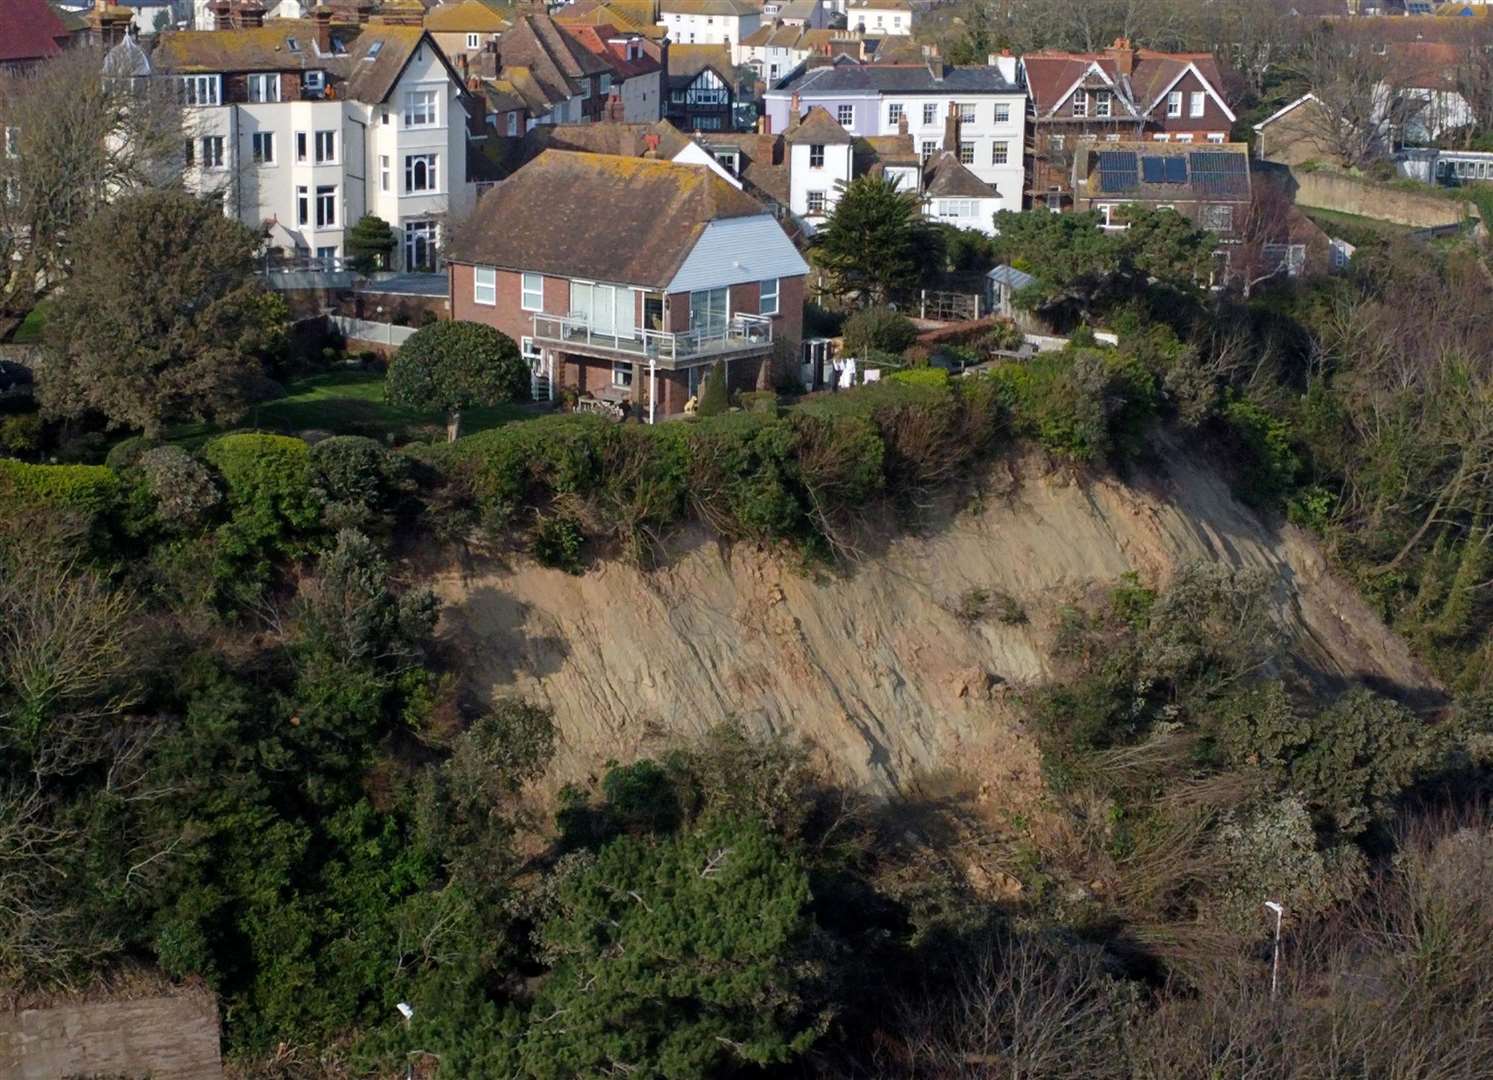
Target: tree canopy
[162, 319]
[453, 366]
[876, 240]
[370, 243]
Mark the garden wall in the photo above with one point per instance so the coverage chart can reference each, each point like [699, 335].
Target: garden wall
[1350, 195]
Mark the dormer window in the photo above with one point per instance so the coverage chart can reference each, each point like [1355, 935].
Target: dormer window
[1080, 103]
[373, 50]
[1101, 103]
[201, 89]
[314, 81]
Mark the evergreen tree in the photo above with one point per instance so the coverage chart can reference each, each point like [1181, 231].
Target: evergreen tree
[876, 240]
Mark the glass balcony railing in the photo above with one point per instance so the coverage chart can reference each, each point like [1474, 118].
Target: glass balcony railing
[740, 333]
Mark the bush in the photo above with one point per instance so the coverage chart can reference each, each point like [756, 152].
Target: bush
[356, 477]
[21, 434]
[1270, 465]
[713, 397]
[271, 498]
[88, 489]
[558, 543]
[1086, 405]
[181, 486]
[759, 401]
[878, 329]
[126, 452]
[926, 376]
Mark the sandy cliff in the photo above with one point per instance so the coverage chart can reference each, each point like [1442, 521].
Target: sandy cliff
[874, 667]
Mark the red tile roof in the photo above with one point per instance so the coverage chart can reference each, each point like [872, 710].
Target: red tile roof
[1051, 74]
[29, 30]
[596, 40]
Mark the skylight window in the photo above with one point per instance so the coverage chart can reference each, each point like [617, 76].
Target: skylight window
[292, 44]
[373, 50]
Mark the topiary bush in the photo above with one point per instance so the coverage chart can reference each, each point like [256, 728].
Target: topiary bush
[181, 487]
[452, 366]
[878, 329]
[271, 499]
[89, 489]
[714, 399]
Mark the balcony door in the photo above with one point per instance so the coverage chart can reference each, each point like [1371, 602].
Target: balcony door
[607, 309]
[707, 312]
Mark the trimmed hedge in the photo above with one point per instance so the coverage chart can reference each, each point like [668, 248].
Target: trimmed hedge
[270, 497]
[85, 488]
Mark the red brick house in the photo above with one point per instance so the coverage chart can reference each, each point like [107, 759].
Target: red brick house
[627, 278]
[1122, 94]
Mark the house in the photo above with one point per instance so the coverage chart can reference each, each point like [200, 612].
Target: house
[464, 28]
[709, 22]
[541, 73]
[1294, 134]
[1121, 94]
[702, 88]
[809, 14]
[879, 18]
[954, 195]
[32, 33]
[878, 99]
[621, 15]
[1208, 184]
[777, 48]
[637, 64]
[1422, 100]
[625, 279]
[302, 127]
[820, 156]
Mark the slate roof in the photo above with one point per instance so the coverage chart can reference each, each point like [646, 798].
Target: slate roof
[632, 221]
[819, 128]
[798, 9]
[729, 8]
[31, 31]
[898, 79]
[1049, 76]
[945, 177]
[374, 55]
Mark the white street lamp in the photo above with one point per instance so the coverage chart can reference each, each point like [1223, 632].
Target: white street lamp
[1275, 962]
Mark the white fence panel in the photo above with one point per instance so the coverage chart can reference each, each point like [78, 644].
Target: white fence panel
[380, 333]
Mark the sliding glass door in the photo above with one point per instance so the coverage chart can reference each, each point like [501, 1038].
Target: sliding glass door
[607, 309]
[707, 312]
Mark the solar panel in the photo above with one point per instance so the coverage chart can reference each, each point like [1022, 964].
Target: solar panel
[1176, 171]
[1153, 169]
[1217, 173]
[1117, 171]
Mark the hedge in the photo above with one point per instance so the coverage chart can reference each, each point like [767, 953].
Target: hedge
[85, 488]
[270, 496]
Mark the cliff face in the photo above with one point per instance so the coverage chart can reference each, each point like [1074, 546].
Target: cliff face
[875, 667]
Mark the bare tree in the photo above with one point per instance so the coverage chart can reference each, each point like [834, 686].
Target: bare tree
[73, 139]
[1358, 106]
[1259, 256]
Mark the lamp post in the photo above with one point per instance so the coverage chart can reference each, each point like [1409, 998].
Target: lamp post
[1275, 961]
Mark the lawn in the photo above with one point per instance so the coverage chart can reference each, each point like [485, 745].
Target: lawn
[29, 332]
[350, 403]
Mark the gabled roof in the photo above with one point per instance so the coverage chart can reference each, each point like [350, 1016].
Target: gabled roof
[873, 150]
[604, 42]
[687, 61]
[819, 128]
[465, 17]
[549, 50]
[595, 13]
[799, 9]
[517, 89]
[879, 5]
[1285, 110]
[945, 177]
[29, 30]
[631, 221]
[764, 164]
[1052, 76]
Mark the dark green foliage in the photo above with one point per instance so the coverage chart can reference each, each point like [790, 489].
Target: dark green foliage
[453, 366]
[878, 329]
[714, 400]
[370, 244]
[183, 490]
[759, 401]
[1270, 465]
[1092, 406]
[679, 957]
[876, 240]
[560, 543]
[357, 479]
[21, 434]
[272, 504]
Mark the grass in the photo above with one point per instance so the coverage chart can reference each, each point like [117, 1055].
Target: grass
[349, 403]
[30, 330]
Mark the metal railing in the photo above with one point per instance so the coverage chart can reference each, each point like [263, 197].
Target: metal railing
[741, 332]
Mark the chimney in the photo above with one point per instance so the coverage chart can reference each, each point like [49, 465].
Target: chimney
[614, 110]
[902, 124]
[951, 128]
[222, 13]
[650, 141]
[764, 125]
[935, 67]
[795, 103]
[250, 13]
[1005, 63]
[1123, 54]
[321, 25]
[474, 83]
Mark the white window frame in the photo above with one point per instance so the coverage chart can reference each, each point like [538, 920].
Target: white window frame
[474, 41]
[894, 113]
[816, 155]
[531, 352]
[930, 113]
[259, 142]
[1225, 210]
[1197, 105]
[1174, 103]
[201, 89]
[326, 147]
[531, 292]
[212, 152]
[928, 149]
[485, 285]
[1002, 112]
[422, 108]
[845, 116]
[966, 151]
[432, 173]
[1080, 103]
[1103, 104]
[622, 374]
[1000, 152]
[966, 112]
[302, 205]
[264, 87]
[302, 147]
[327, 192]
[1216, 137]
[769, 296]
[813, 197]
[384, 172]
[1186, 136]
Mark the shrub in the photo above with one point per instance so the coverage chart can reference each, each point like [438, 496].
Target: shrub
[759, 401]
[713, 398]
[879, 329]
[1080, 403]
[355, 476]
[270, 495]
[1270, 465]
[558, 543]
[85, 488]
[125, 454]
[452, 366]
[181, 486]
[925, 376]
[21, 434]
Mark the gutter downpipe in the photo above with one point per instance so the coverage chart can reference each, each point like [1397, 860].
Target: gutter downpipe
[652, 386]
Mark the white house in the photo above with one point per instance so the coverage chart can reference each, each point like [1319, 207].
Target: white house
[776, 48]
[708, 22]
[879, 18]
[876, 99]
[820, 163]
[303, 129]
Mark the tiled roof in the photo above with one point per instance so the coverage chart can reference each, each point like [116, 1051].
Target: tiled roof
[899, 79]
[639, 218]
[687, 61]
[594, 13]
[596, 39]
[885, 150]
[945, 177]
[764, 164]
[468, 16]
[879, 5]
[818, 127]
[29, 30]
[1049, 76]
[516, 89]
[1165, 172]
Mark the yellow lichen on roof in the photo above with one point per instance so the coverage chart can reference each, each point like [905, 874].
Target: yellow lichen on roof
[468, 16]
[225, 50]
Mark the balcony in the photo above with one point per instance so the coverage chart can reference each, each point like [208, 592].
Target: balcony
[742, 335]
